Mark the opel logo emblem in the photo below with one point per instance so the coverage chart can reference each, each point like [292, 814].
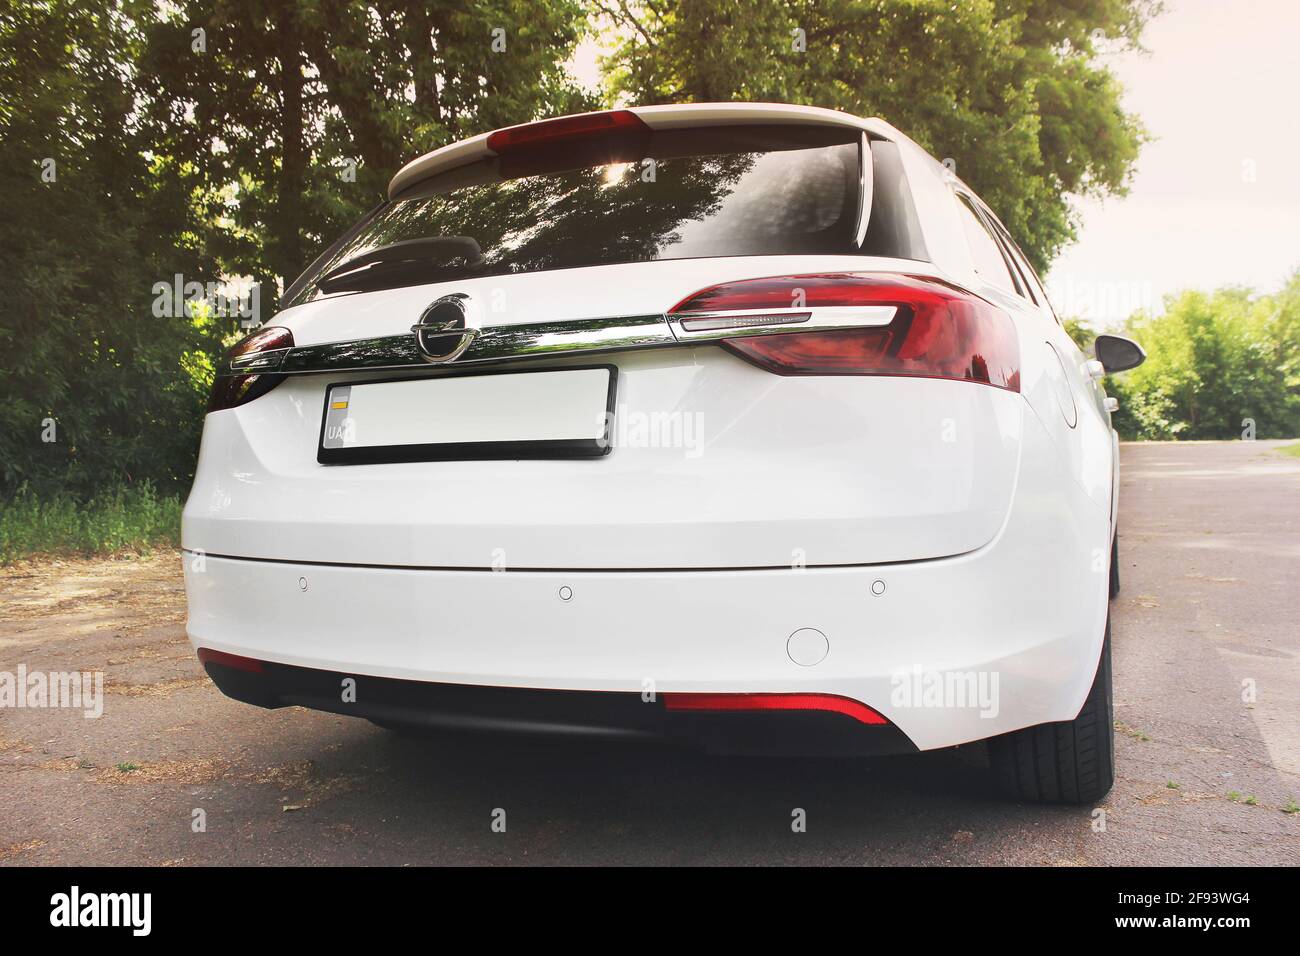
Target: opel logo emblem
[446, 328]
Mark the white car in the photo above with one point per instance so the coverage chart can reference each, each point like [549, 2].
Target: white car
[743, 425]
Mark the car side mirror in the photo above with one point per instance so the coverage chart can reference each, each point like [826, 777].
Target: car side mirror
[1118, 354]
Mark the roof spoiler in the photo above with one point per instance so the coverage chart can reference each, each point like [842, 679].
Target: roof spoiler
[677, 116]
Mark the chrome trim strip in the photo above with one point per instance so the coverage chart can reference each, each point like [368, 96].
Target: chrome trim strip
[588, 335]
[731, 322]
[771, 321]
[493, 344]
[390, 351]
[568, 337]
[265, 361]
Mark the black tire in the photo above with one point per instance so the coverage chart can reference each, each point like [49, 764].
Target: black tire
[1068, 762]
[1114, 565]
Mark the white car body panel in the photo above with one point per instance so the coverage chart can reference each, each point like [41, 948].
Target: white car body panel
[727, 502]
[1015, 608]
[984, 513]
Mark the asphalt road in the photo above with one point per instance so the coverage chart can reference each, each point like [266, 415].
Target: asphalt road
[1210, 547]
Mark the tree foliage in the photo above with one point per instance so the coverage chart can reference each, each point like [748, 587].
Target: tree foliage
[1224, 364]
[209, 139]
[1011, 90]
[297, 112]
[92, 389]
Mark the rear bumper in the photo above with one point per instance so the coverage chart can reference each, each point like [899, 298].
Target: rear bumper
[953, 650]
[599, 714]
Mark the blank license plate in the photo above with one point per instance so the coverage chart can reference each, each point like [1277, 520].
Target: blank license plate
[550, 413]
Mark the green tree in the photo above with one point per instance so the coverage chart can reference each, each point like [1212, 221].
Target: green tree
[209, 139]
[1079, 330]
[1216, 362]
[296, 113]
[91, 223]
[1011, 90]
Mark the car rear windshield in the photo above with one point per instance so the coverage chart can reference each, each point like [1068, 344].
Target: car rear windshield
[676, 194]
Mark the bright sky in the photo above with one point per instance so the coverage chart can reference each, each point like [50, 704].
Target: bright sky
[1215, 197]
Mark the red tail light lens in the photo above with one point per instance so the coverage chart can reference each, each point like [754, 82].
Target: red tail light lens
[250, 366]
[262, 349]
[938, 330]
[565, 129]
[208, 656]
[831, 703]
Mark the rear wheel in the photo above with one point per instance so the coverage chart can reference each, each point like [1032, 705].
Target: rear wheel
[1068, 762]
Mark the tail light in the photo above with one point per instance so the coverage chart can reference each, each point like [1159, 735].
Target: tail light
[209, 656]
[830, 703]
[250, 368]
[570, 142]
[566, 129]
[857, 324]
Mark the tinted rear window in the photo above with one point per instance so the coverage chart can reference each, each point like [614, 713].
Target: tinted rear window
[737, 191]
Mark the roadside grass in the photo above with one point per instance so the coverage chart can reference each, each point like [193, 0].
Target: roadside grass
[124, 518]
[1133, 732]
[1292, 450]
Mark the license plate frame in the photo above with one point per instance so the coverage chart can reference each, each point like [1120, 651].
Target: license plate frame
[543, 449]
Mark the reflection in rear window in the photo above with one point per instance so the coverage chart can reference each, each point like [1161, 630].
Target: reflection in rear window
[680, 195]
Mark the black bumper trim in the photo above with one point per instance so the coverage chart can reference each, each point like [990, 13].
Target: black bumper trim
[594, 714]
[488, 569]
